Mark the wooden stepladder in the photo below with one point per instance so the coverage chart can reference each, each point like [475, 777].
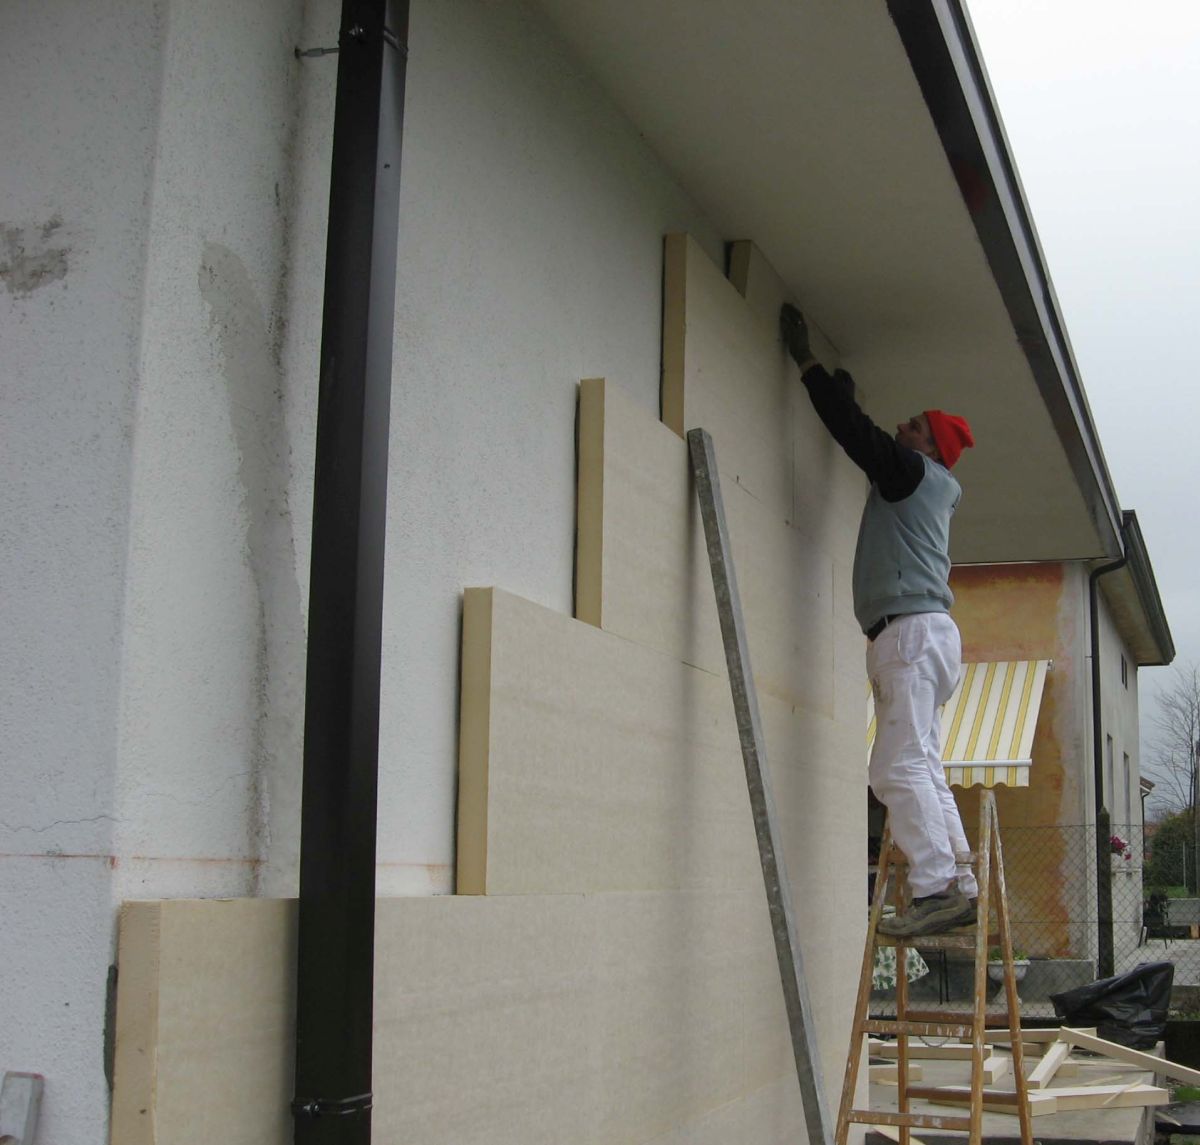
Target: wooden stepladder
[988, 864]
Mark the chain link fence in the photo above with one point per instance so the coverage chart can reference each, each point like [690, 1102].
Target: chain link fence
[1072, 926]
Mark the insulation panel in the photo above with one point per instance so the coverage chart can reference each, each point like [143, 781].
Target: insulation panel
[606, 765]
[530, 1020]
[642, 568]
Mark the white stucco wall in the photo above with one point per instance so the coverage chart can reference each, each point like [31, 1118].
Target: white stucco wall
[79, 86]
[165, 190]
[1120, 718]
[1119, 713]
[1079, 799]
[531, 222]
[214, 624]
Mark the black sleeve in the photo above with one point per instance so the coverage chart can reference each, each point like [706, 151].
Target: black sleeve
[896, 469]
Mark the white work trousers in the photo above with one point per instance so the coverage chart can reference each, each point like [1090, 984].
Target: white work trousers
[913, 666]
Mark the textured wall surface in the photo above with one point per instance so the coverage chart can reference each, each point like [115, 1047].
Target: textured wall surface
[532, 218]
[212, 667]
[79, 85]
[508, 1020]
[161, 261]
[531, 224]
[1028, 611]
[616, 982]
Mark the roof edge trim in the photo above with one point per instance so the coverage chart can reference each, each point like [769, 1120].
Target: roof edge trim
[1142, 574]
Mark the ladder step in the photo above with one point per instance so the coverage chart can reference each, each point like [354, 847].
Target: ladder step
[962, 1094]
[971, 1027]
[993, 1019]
[924, 1029]
[964, 939]
[961, 859]
[912, 1120]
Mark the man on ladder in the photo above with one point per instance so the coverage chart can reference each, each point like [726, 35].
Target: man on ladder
[902, 599]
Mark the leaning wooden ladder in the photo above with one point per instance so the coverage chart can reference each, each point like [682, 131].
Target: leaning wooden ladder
[988, 864]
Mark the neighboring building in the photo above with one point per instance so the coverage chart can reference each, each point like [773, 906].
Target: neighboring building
[1022, 722]
[165, 198]
[1029, 612]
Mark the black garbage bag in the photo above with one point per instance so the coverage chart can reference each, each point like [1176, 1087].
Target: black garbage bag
[1130, 1009]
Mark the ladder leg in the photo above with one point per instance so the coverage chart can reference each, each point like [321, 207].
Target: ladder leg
[989, 871]
[902, 1101]
[854, 1053]
[983, 877]
[1010, 984]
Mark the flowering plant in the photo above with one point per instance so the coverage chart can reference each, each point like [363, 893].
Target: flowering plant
[1118, 846]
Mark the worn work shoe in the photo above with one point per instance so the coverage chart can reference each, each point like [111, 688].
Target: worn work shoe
[969, 915]
[932, 914]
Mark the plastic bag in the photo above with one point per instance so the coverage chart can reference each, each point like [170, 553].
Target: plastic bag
[1130, 1009]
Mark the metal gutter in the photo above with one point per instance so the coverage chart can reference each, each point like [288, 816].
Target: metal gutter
[335, 968]
[942, 50]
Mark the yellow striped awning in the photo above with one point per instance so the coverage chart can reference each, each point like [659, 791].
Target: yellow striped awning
[988, 724]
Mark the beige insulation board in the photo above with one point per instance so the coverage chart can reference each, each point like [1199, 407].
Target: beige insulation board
[204, 1027]
[531, 1020]
[643, 571]
[722, 370]
[725, 369]
[589, 762]
[765, 292]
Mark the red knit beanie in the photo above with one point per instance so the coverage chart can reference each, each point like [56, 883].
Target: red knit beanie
[951, 434]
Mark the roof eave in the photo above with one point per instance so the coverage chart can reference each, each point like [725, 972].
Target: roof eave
[941, 47]
[1150, 636]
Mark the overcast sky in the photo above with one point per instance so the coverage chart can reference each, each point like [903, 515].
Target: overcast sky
[1101, 104]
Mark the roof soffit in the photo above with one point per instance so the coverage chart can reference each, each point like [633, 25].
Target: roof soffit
[804, 128]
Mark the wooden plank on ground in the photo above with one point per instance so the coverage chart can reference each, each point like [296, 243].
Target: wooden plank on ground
[951, 1051]
[893, 1134]
[1108, 1096]
[1043, 1073]
[1090, 1068]
[889, 1074]
[1063, 1098]
[1086, 1040]
[1027, 1035]
[995, 1066]
[1042, 1103]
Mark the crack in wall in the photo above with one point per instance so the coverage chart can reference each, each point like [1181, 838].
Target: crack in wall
[56, 823]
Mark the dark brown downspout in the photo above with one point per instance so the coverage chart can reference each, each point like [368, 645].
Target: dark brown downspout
[335, 960]
[1106, 958]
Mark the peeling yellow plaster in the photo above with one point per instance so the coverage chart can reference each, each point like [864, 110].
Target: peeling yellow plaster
[1022, 612]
